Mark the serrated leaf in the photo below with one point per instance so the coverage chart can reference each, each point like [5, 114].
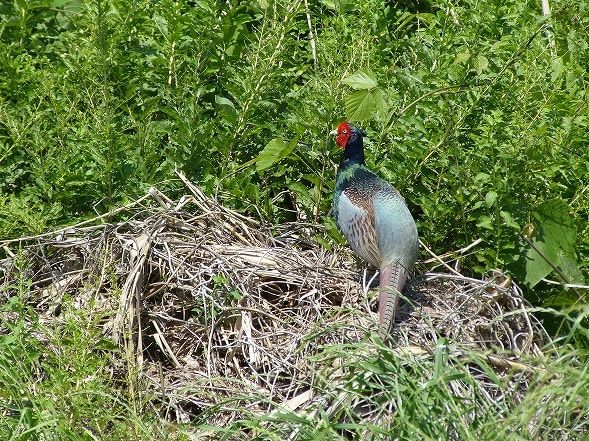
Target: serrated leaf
[380, 102]
[360, 105]
[362, 79]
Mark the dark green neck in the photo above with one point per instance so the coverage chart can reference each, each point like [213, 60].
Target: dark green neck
[354, 151]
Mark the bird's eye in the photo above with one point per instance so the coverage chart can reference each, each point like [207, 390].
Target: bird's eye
[345, 131]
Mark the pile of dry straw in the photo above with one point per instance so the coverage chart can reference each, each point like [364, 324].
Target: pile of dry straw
[218, 314]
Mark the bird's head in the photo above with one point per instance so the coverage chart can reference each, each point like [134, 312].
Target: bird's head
[345, 133]
[350, 138]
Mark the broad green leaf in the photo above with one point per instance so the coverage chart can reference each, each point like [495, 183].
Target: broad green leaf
[570, 269]
[562, 299]
[536, 265]
[490, 198]
[226, 109]
[361, 80]
[508, 220]
[380, 102]
[461, 57]
[481, 63]
[270, 154]
[485, 222]
[314, 178]
[554, 243]
[301, 190]
[274, 151]
[556, 226]
[557, 67]
[360, 105]
[482, 177]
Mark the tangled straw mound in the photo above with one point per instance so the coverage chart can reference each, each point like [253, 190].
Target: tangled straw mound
[214, 308]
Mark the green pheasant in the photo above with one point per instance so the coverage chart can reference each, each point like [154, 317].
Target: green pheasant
[374, 218]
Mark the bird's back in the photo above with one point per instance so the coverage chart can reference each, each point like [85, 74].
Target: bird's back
[396, 230]
[374, 218]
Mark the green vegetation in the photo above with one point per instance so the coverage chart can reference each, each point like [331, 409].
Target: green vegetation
[62, 387]
[470, 111]
[476, 111]
[473, 112]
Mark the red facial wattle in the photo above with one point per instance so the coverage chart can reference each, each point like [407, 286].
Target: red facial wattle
[342, 139]
[344, 131]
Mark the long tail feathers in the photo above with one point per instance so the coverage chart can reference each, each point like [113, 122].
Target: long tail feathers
[392, 280]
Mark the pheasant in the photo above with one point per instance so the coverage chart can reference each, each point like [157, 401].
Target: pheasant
[374, 218]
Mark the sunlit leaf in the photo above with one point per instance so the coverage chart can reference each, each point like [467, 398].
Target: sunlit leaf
[361, 80]
[461, 57]
[274, 151]
[485, 221]
[554, 245]
[570, 269]
[481, 63]
[360, 105]
[536, 263]
[557, 228]
[490, 198]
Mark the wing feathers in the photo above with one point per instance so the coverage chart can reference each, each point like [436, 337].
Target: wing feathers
[357, 225]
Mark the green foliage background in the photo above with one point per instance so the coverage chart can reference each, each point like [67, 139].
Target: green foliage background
[477, 112]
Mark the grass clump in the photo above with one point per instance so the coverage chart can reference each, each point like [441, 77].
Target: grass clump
[57, 381]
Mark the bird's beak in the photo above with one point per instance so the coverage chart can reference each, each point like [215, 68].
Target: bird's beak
[333, 133]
